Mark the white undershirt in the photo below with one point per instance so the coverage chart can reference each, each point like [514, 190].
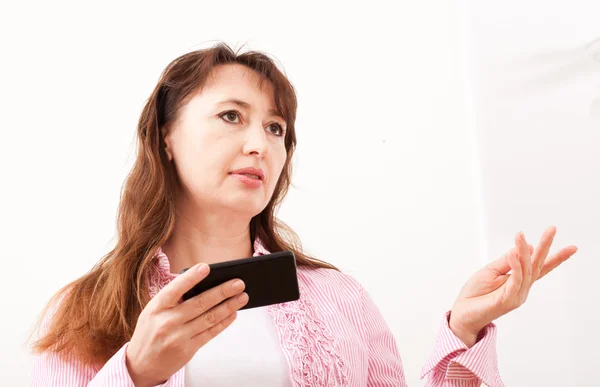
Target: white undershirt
[247, 353]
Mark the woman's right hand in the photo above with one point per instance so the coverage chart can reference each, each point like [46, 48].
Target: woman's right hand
[169, 332]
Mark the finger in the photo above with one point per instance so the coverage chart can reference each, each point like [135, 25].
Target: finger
[200, 304]
[525, 260]
[501, 265]
[555, 260]
[170, 295]
[499, 281]
[215, 315]
[542, 250]
[204, 337]
[515, 280]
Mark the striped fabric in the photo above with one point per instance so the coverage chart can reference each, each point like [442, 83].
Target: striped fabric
[334, 335]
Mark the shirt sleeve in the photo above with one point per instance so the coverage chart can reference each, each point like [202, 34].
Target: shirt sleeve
[453, 364]
[385, 364]
[51, 369]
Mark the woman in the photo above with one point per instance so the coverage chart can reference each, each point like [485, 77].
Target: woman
[216, 138]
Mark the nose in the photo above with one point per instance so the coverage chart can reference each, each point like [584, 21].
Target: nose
[256, 141]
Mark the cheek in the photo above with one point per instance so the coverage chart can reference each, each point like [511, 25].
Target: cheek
[193, 156]
[278, 163]
[201, 158]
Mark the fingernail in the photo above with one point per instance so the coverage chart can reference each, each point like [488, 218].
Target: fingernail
[242, 298]
[203, 269]
[237, 285]
[521, 235]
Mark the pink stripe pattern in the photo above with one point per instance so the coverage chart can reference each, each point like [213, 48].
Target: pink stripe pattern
[334, 335]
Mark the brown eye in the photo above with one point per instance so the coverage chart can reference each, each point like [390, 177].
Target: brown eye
[230, 115]
[278, 131]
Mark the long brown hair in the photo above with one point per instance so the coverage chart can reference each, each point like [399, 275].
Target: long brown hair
[96, 314]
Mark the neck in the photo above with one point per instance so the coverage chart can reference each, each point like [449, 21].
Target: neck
[209, 237]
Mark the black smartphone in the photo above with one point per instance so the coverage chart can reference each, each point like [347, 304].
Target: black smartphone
[270, 278]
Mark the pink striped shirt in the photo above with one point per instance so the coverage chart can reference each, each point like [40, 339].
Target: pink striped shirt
[334, 335]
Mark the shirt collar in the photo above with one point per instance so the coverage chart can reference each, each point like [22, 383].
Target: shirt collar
[165, 267]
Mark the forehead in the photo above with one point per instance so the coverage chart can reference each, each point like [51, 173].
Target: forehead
[238, 81]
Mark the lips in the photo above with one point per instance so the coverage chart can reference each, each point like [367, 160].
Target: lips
[252, 176]
[253, 173]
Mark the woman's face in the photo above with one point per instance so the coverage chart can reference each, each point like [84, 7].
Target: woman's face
[216, 138]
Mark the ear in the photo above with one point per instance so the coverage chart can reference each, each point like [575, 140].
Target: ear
[167, 141]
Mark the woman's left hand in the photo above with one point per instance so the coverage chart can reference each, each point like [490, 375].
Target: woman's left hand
[493, 291]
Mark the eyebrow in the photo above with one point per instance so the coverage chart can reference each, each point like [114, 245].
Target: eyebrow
[246, 105]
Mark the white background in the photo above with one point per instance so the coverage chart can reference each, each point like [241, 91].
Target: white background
[430, 132]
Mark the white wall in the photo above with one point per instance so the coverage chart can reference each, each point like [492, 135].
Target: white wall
[533, 85]
[387, 178]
